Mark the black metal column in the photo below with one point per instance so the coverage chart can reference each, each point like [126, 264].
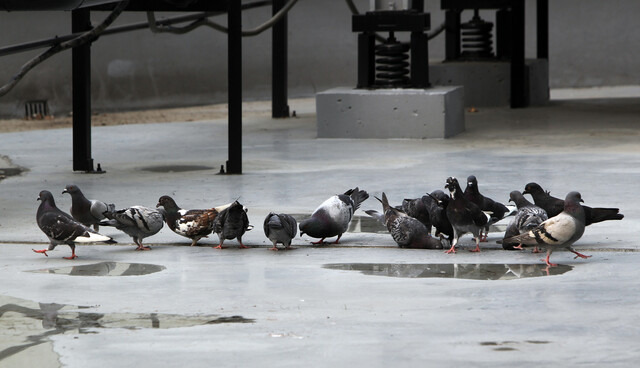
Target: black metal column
[419, 60]
[452, 34]
[279, 65]
[81, 85]
[366, 60]
[542, 28]
[234, 57]
[518, 84]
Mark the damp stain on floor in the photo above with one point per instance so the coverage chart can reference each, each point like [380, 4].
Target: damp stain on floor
[479, 271]
[176, 168]
[105, 269]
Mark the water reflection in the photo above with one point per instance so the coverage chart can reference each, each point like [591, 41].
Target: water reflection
[105, 269]
[481, 271]
[19, 315]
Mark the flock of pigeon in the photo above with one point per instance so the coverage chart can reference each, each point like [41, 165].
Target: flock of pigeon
[550, 222]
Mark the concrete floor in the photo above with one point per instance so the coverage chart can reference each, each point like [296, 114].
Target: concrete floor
[362, 303]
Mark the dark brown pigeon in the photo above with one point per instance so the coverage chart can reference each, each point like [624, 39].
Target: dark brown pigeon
[464, 215]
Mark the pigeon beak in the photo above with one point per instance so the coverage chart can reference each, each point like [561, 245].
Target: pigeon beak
[64, 191]
[37, 199]
[581, 201]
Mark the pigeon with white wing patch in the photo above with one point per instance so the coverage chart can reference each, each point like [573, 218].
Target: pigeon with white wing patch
[61, 228]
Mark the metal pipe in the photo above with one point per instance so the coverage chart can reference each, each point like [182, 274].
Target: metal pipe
[10, 5]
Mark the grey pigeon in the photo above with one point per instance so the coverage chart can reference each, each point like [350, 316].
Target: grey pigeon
[61, 228]
[136, 221]
[405, 230]
[333, 216]
[554, 206]
[232, 223]
[438, 214]
[528, 217]
[496, 210]
[464, 215]
[87, 211]
[561, 230]
[280, 228]
[194, 224]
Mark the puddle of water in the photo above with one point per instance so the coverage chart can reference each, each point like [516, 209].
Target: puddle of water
[482, 271]
[176, 168]
[55, 319]
[6, 172]
[105, 269]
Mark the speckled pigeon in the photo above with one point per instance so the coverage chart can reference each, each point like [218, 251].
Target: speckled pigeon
[561, 230]
[232, 223]
[87, 211]
[194, 224]
[496, 210]
[280, 228]
[554, 206]
[61, 228]
[528, 217]
[406, 230]
[136, 221]
[464, 215]
[332, 217]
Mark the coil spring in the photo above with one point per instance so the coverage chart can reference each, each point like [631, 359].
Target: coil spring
[392, 64]
[476, 38]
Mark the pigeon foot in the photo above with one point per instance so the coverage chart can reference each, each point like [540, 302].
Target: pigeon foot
[451, 250]
[519, 246]
[73, 256]
[242, 246]
[219, 246]
[536, 250]
[321, 241]
[476, 249]
[43, 251]
[274, 248]
[580, 255]
[143, 248]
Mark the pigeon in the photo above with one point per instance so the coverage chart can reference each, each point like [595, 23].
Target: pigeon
[561, 230]
[464, 215]
[193, 224]
[136, 221]
[332, 217]
[61, 228]
[554, 206]
[528, 217]
[418, 208]
[438, 214]
[87, 211]
[405, 230]
[497, 210]
[280, 228]
[232, 223]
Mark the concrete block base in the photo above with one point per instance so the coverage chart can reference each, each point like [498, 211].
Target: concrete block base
[488, 83]
[390, 113]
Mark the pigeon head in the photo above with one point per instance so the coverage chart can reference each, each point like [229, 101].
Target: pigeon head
[532, 188]
[71, 189]
[472, 182]
[453, 186]
[45, 196]
[168, 203]
[517, 198]
[574, 197]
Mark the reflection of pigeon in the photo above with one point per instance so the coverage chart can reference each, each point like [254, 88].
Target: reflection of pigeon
[61, 228]
[559, 231]
[87, 211]
[528, 217]
[332, 217]
[193, 224]
[554, 206]
[232, 223]
[464, 215]
[496, 210]
[137, 221]
[280, 228]
[438, 213]
[405, 230]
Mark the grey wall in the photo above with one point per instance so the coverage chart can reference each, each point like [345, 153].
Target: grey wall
[592, 43]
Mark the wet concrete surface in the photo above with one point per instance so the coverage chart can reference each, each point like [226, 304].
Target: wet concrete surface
[300, 311]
